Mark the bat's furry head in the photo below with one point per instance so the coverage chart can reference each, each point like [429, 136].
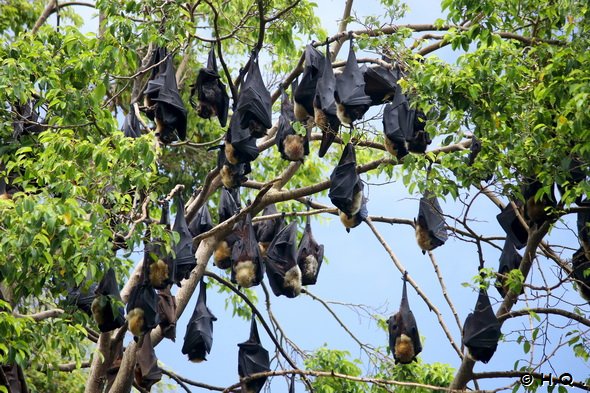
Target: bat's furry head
[293, 147]
[257, 130]
[158, 274]
[136, 321]
[245, 273]
[222, 254]
[98, 310]
[228, 178]
[423, 238]
[320, 118]
[404, 349]
[263, 247]
[230, 153]
[292, 280]
[301, 113]
[310, 266]
[349, 222]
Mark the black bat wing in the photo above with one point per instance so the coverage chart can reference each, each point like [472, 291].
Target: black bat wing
[410, 328]
[481, 331]
[509, 260]
[580, 264]
[115, 316]
[144, 297]
[246, 249]
[314, 65]
[147, 363]
[474, 150]
[350, 86]
[82, 298]
[202, 222]
[243, 143]
[131, 127]
[380, 83]
[310, 255]
[326, 86]
[345, 181]
[254, 101]
[167, 313]
[185, 255]
[228, 205]
[198, 339]
[252, 359]
[430, 213]
[281, 257]
[170, 108]
[393, 131]
[266, 230]
[515, 231]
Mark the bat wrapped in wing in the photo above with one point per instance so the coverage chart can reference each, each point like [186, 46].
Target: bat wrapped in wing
[509, 260]
[380, 83]
[351, 100]
[147, 371]
[254, 106]
[395, 137]
[481, 330]
[514, 229]
[284, 275]
[106, 309]
[228, 206]
[404, 339]
[431, 231]
[167, 313]
[581, 273]
[131, 127]
[537, 210]
[232, 176]
[185, 254]
[292, 146]
[305, 92]
[309, 256]
[266, 230]
[198, 339]
[82, 297]
[583, 225]
[142, 309]
[211, 92]
[161, 266]
[324, 105]
[240, 145]
[170, 112]
[252, 359]
[201, 222]
[247, 265]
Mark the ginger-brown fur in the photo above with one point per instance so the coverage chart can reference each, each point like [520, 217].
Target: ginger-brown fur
[292, 280]
[320, 118]
[404, 349]
[293, 147]
[5, 196]
[300, 112]
[227, 178]
[245, 273]
[349, 221]
[196, 360]
[159, 274]
[310, 265]
[357, 202]
[423, 239]
[230, 154]
[342, 115]
[389, 146]
[136, 321]
[222, 253]
[98, 310]
[263, 247]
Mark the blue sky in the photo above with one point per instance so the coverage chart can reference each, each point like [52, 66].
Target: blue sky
[360, 272]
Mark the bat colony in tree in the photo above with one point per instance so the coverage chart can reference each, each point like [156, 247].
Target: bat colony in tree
[325, 100]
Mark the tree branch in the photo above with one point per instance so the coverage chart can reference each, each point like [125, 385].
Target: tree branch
[554, 311]
[37, 317]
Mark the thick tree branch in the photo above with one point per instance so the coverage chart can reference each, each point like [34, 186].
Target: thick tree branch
[553, 311]
[40, 316]
[49, 9]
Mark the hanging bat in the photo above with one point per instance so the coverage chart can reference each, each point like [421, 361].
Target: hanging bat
[404, 339]
[167, 313]
[254, 106]
[380, 83]
[267, 230]
[509, 260]
[305, 92]
[247, 267]
[418, 139]
[537, 210]
[474, 150]
[155, 83]
[185, 254]
[481, 330]
[240, 146]
[284, 275]
[324, 105]
[292, 146]
[211, 93]
[228, 206]
[82, 298]
[161, 266]
[353, 221]
[430, 226]
[581, 273]
[131, 127]
[395, 139]
[201, 223]
[309, 256]
[27, 120]
[346, 188]
[252, 359]
[351, 100]
[147, 372]
[170, 113]
[142, 309]
[575, 174]
[198, 339]
[515, 231]
[232, 176]
[105, 310]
